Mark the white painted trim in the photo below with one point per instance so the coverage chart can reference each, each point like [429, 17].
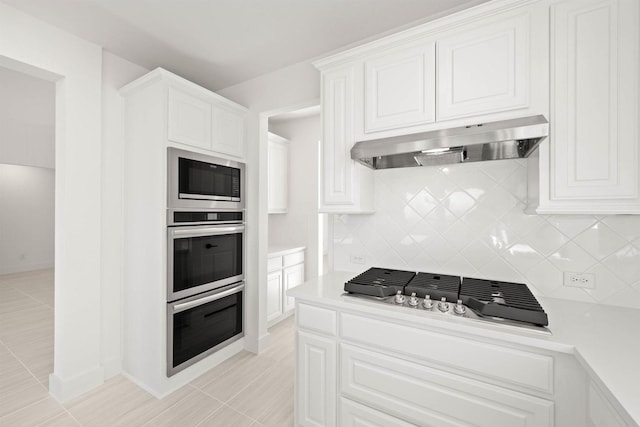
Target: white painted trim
[64, 390]
[10, 269]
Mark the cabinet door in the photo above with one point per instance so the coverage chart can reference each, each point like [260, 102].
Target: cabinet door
[316, 395]
[484, 68]
[293, 276]
[278, 166]
[228, 130]
[400, 88]
[430, 397]
[189, 120]
[352, 414]
[274, 295]
[592, 162]
[347, 187]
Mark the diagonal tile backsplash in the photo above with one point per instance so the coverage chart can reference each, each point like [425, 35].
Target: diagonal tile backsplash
[469, 220]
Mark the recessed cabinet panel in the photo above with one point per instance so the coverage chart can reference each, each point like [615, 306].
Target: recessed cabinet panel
[274, 295]
[485, 69]
[337, 165]
[316, 381]
[189, 119]
[400, 89]
[595, 148]
[228, 131]
[278, 165]
[418, 393]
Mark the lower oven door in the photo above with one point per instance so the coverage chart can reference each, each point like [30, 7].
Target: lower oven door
[202, 324]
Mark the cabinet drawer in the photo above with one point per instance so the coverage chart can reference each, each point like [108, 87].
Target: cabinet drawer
[506, 365]
[274, 263]
[427, 396]
[317, 319]
[352, 414]
[294, 258]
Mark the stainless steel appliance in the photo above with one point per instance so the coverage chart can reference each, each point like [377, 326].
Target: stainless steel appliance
[479, 299]
[205, 284]
[205, 254]
[505, 139]
[197, 181]
[200, 325]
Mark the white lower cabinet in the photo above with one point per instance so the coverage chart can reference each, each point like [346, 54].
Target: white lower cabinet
[373, 384]
[316, 376]
[426, 396]
[284, 271]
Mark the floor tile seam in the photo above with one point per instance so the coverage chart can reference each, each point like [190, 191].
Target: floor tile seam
[148, 423]
[274, 361]
[237, 393]
[233, 409]
[56, 416]
[25, 407]
[33, 298]
[25, 367]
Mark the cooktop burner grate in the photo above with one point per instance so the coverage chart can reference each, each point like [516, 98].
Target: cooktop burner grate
[434, 285]
[379, 282]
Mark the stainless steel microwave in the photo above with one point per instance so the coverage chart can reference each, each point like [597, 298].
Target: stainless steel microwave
[198, 181]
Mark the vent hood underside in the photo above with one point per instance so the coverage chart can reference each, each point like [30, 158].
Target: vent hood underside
[505, 139]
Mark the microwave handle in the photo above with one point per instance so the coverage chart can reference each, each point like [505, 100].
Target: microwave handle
[206, 231]
[188, 305]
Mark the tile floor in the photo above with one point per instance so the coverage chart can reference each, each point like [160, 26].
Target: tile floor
[246, 390]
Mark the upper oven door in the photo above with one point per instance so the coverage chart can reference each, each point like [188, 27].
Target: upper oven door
[200, 181]
[202, 258]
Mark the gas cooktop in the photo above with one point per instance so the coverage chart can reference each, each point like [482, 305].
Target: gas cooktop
[491, 300]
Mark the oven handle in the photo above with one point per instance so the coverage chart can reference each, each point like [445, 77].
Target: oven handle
[188, 305]
[205, 231]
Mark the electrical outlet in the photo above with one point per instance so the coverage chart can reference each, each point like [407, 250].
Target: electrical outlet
[357, 259]
[580, 280]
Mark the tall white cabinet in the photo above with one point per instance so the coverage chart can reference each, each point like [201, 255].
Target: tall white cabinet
[163, 110]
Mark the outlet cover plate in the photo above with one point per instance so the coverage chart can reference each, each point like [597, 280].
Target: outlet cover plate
[579, 280]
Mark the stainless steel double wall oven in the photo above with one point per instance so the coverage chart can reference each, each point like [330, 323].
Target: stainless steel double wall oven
[205, 256]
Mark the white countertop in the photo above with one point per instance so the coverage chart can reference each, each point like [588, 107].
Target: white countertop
[603, 338]
[283, 250]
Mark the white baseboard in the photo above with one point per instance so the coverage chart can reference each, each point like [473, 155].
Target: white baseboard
[10, 269]
[66, 389]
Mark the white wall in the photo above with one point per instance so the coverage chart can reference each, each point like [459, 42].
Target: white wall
[299, 226]
[469, 220]
[26, 218]
[27, 120]
[116, 72]
[294, 86]
[39, 49]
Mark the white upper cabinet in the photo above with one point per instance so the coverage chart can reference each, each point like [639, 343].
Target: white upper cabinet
[592, 162]
[345, 185]
[189, 119]
[399, 88]
[203, 119]
[484, 68]
[228, 130]
[277, 165]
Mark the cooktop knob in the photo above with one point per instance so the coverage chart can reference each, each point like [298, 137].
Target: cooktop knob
[413, 300]
[443, 305]
[459, 308]
[427, 303]
[399, 298]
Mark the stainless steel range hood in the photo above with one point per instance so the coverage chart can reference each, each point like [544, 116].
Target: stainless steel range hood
[505, 139]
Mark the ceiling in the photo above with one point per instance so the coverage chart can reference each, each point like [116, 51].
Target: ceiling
[218, 43]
